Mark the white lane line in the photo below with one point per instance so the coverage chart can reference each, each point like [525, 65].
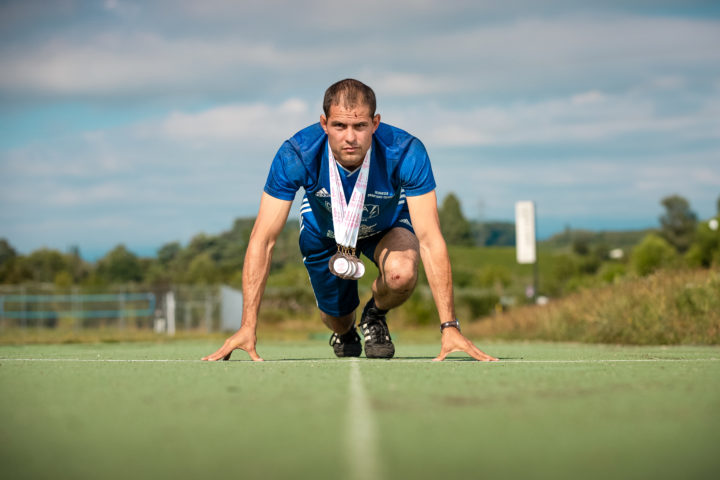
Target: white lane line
[610, 360]
[469, 361]
[95, 360]
[332, 360]
[362, 441]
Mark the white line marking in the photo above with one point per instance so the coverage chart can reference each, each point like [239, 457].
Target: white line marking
[616, 360]
[94, 360]
[362, 442]
[332, 360]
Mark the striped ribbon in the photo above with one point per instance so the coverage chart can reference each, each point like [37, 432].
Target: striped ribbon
[347, 216]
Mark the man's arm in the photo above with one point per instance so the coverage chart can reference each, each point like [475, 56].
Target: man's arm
[269, 223]
[436, 260]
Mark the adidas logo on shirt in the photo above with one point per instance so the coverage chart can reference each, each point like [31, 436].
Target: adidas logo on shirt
[322, 193]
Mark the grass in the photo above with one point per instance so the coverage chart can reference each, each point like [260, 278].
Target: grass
[666, 308]
[64, 335]
[670, 307]
[546, 411]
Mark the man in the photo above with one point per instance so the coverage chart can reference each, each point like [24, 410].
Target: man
[350, 166]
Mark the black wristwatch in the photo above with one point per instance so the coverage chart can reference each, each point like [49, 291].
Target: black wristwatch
[455, 323]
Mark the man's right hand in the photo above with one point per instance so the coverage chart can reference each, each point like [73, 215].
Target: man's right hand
[244, 339]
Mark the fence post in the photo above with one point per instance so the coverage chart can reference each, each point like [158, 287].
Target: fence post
[23, 321]
[74, 308]
[2, 313]
[208, 310]
[170, 312]
[121, 298]
[187, 320]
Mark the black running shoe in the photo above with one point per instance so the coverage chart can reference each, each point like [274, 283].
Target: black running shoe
[378, 343]
[348, 344]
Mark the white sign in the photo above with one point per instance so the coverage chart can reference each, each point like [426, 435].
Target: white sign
[525, 232]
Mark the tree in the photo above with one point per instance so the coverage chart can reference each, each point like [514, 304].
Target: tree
[7, 252]
[203, 270]
[581, 242]
[678, 224]
[653, 253]
[63, 279]
[455, 228]
[499, 234]
[77, 267]
[8, 255]
[168, 252]
[705, 251]
[44, 264]
[120, 265]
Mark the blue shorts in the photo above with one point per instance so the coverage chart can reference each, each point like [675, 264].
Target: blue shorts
[335, 296]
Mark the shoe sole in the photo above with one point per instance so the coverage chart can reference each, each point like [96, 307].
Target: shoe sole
[384, 350]
[353, 350]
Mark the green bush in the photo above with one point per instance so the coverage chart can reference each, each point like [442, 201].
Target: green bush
[665, 308]
[562, 269]
[494, 276]
[202, 270]
[418, 310]
[463, 278]
[653, 253]
[473, 304]
[705, 251]
[612, 272]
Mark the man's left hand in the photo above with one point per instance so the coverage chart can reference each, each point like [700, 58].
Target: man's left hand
[454, 341]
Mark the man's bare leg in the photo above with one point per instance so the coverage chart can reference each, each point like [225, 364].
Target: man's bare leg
[339, 325]
[397, 256]
[345, 339]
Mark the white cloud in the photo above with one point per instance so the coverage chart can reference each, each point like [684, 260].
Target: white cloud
[413, 84]
[473, 80]
[580, 118]
[94, 194]
[593, 96]
[520, 56]
[669, 82]
[89, 155]
[241, 123]
[584, 117]
[113, 63]
[624, 186]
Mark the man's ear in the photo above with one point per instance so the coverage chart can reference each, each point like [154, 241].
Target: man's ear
[323, 122]
[376, 122]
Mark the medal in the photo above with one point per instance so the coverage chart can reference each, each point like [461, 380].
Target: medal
[346, 220]
[345, 264]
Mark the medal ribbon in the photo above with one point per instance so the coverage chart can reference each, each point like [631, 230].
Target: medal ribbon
[347, 216]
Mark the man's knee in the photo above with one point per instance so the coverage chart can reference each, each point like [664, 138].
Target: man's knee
[400, 274]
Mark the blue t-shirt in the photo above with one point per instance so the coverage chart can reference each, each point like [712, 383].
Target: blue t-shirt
[399, 166]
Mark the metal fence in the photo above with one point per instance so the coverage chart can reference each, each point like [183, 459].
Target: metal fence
[179, 307]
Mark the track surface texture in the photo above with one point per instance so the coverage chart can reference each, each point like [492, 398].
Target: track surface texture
[545, 411]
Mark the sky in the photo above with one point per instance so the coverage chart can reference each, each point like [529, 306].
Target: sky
[147, 122]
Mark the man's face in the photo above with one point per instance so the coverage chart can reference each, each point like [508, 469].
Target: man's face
[350, 131]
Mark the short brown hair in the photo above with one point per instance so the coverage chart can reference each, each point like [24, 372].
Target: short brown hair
[352, 93]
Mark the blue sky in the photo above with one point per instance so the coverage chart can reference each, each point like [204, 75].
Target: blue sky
[148, 122]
